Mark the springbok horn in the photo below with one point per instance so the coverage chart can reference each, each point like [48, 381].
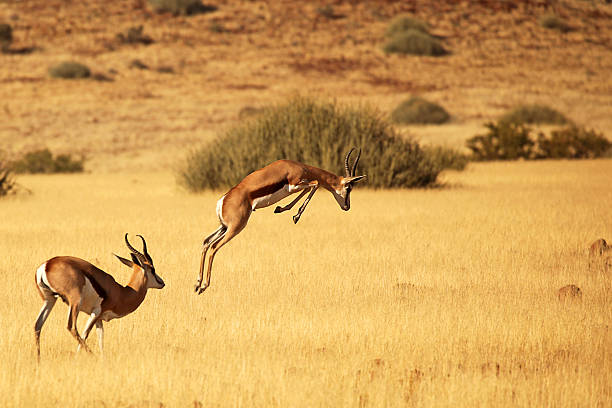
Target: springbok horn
[346, 162]
[355, 164]
[144, 248]
[132, 249]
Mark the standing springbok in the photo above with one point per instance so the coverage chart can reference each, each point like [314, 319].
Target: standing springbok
[267, 186]
[85, 288]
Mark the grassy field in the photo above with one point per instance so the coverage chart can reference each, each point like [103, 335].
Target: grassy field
[443, 297]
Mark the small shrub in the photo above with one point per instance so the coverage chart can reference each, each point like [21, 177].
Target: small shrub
[573, 142]
[553, 22]
[405, 23]
[7, 183]
[181, 7]
[446, 158]
[417, 110]
[319, 134]
[134, 35]
[69, 70]
[42, 161]
[534, 114]
[414, 42]
[6, 36]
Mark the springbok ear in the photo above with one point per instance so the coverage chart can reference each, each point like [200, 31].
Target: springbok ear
[351, 180]
[125, 261]
[136, 260]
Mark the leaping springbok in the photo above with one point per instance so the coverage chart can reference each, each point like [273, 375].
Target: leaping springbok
[85, 288]
[267, 186]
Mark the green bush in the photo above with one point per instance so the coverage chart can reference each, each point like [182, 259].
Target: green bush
[181, 7]
[553, 22]
[414, 42]
[510, 141]
[319, 134]
[69, 70]
[404, 23]
[42, 161]
[6, 36]
[417, 110]
[534, 114]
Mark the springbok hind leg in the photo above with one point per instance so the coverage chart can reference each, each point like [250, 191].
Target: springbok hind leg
[40, 321]
[215, 236]
[215, 246]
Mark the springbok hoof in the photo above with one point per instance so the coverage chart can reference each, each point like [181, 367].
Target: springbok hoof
[196, 287]
[202, 290]
[295, 219]
[277, 210]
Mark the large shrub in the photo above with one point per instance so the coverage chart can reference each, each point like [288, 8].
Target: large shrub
[417, 110]
[319, 134]
[42, 161]
[414, 42]
[510, 141]
[534, 114]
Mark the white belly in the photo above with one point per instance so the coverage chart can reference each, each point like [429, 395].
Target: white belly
[275, 197]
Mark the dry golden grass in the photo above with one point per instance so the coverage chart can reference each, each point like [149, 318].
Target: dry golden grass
[442, 297]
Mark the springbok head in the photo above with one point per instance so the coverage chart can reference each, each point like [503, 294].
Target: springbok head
[343, 197]
[143, 262]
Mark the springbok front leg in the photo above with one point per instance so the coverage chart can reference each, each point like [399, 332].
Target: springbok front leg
[94, 318]
[72, 326]
[297, 216]
[289, 206]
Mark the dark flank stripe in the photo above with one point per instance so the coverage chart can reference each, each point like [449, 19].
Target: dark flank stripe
[266, 190]
[99, 289]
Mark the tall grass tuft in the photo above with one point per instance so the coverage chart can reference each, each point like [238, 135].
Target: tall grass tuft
[319, 134]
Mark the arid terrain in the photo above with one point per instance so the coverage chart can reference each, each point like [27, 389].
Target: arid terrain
[256, 53]
[426, 297]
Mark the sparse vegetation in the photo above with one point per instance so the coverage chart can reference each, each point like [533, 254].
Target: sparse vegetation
[43, 161]
[7, 182]
[70, 70]
[417, 110]
[554, 22]
[535, 114]
[414, 42]
[181, 7]
[319, 134]
[511, 141]
[405, 23]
